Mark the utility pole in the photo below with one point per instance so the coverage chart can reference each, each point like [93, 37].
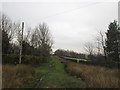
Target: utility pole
[21, 43]
[119, 30]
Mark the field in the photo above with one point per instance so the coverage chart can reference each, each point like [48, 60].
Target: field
[59, 73]
[93, 76]
[47, 75]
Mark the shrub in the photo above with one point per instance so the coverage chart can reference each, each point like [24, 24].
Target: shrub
[16, 76]
[108, 64]
[11, 59]
[102, 62]
[26, 59]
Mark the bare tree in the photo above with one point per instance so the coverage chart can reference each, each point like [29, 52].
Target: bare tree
[89, 48]
[11, 28]
[99, 46]
[41, 38]
[101, 41]
[45, 39]
[44, 35]
[8, 32]
[18, 32]
[7, 26]
[28, 35]
[35, 41]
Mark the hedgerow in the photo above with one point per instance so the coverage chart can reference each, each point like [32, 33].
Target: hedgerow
[26, 59]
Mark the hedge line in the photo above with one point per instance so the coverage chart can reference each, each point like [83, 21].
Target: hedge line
[109, 64]
[26, 59]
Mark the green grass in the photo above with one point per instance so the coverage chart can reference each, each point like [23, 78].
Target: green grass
[76, 59]
[54, 76]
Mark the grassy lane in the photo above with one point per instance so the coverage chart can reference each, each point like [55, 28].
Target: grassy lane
[54, 76]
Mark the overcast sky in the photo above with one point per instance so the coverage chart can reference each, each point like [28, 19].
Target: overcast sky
[71, 23]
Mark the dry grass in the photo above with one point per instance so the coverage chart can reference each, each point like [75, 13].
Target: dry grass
[94, 76]
[16, 76]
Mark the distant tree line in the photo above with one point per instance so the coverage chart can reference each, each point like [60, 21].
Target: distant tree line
[69, 53]
[37, 41]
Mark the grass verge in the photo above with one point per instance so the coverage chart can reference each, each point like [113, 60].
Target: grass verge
[94, 76]
[16, 76]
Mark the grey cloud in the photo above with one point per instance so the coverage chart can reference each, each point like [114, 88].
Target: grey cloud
[70, 24]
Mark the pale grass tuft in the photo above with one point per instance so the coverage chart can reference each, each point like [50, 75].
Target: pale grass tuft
[16, 76]
[95, 76]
